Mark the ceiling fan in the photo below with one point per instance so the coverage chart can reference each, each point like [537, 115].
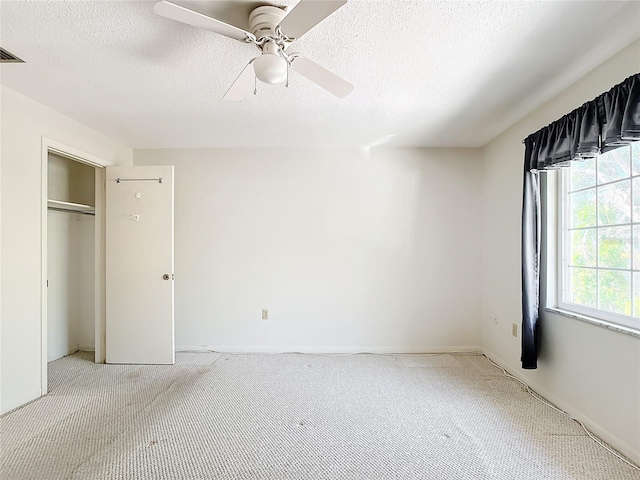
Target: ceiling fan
[273, 29]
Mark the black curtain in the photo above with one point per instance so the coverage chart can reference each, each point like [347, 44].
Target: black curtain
[606, 122]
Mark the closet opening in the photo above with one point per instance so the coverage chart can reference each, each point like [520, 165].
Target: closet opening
[73, 255]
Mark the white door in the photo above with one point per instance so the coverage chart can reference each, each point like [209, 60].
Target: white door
[139, 265]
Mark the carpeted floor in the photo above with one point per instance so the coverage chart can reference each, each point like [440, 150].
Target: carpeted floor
[294, 416]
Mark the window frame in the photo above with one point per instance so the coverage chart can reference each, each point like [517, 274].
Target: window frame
[564, 242]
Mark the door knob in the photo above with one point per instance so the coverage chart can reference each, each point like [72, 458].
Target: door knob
[166, 276]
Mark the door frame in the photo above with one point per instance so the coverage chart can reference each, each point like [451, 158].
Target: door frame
[53, 146]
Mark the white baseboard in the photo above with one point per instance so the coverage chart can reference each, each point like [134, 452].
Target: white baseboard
[334, 350]
[70, 349]
[593, 426]
[73, 349]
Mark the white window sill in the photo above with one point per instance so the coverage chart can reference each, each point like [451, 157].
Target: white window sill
[595, 321]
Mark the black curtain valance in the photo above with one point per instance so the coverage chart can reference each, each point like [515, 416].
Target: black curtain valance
[608, 121]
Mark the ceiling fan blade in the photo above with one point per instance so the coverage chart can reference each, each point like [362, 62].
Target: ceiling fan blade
[195, 19]
[321, 76]
[306, 15]
[243, 85]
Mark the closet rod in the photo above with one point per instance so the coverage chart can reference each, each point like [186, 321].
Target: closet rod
[119, 180]
[58, 209]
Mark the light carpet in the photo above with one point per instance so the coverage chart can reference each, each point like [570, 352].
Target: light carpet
[294, 416]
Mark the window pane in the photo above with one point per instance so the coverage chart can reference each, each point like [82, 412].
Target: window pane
[614, 289]
[636, 294]
[582, 174]
[636, 247]
[583, 208]
[614, 165]
[583, 247]
[602, 232]
[614, 205]
[635, 157]
[583, 287]
[614, 247]
[636, 199]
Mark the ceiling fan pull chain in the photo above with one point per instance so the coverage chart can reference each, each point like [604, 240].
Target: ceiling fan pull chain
[255, 85]
[287, 84]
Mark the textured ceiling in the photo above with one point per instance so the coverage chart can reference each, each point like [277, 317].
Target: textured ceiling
[426, 73]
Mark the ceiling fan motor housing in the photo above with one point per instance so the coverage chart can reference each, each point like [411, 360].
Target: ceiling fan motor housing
[264, 20]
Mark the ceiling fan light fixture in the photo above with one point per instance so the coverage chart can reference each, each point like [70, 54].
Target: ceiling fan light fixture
[270, 68]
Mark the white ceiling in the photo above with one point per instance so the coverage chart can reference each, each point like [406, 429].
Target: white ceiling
[431, 73]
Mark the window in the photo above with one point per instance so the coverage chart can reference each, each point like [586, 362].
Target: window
[599, 272]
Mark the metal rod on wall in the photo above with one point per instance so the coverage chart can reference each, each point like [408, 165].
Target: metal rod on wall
[120, 180]
[80, 212]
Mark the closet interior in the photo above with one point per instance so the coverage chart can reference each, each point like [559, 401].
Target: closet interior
[70, 256]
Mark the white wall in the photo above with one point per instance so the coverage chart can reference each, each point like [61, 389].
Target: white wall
[70, 181]
[590, 371]
[347, 250]
[23, 123]
[70, 259]
[70, 295]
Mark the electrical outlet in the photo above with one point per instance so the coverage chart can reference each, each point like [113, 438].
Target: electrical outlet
[514, 330]
[265, 314]
[495, 320]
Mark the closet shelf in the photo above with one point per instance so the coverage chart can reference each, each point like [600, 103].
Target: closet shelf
[70, 207]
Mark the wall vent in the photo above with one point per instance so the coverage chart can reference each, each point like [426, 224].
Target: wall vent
[6, 57]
